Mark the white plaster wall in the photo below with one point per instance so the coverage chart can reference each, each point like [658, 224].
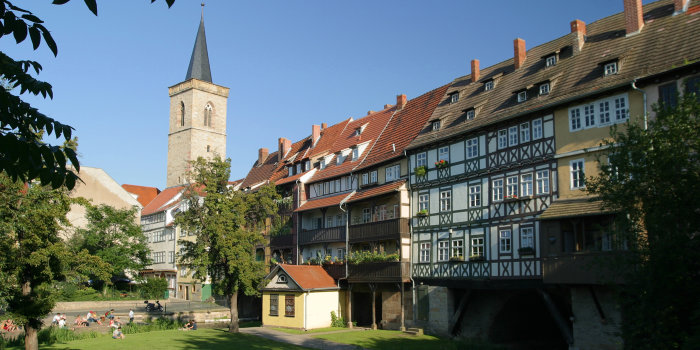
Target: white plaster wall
[319, 306]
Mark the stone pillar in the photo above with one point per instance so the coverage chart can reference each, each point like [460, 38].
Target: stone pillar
[373, 288]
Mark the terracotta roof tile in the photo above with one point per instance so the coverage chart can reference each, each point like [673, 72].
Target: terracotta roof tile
[161, 202]
[143, 194]
[376, 191]
[323, 202]
[309, 277]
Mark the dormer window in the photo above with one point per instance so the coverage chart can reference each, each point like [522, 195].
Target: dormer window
[282, 279]
[550, 61]
[522, 96]
[290, 171]
[454, 97]
[355, 154]
[470, 113]
[299, 168]
[435, 125]
[307, 165]
[339, 159]
[544, 88]
[322, 163]
[488, 85]
[610, 68]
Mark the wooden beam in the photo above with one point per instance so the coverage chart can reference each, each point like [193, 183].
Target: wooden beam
[454, 320]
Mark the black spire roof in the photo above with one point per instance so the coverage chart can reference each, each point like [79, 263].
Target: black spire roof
[199, 63]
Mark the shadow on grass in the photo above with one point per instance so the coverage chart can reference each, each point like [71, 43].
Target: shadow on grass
[393, 340]
[223, 340]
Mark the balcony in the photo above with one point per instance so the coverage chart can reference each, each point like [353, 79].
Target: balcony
[580, 268]
[323, 235]
[502, 269]
[335, 270]
[282, 240]
[379, 272]
[381, 230]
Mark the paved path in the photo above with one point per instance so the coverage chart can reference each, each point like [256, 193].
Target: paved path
[304, 340]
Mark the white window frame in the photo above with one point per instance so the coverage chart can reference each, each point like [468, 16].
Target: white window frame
[526, 184]
[392, 173]
[575, 119]
[366, 215]
[589, 117]
[550, 61]
[443, 250]
[621, 111]
[475, 196]
[365, 178]
[457, 250]
[355, 153]
[537, 129]
[329, 221]
[171, 257]
[522, 96]
[472, 148]
[512, 186]
[423, 202]
[577, 174]
[542, 178]
[527, 237]
[513, 136]
[525, 132]
[425, 252]
[497, 185]
[471, 113]
[544, 88]
[454, 97]
[505, 241]
[489, 85]
[610, 68]
[502, 138]
[421, 159]
[435, 125]
[445, 200]
[604, 113]
[373, 178]
[444, 153]
[477, 246]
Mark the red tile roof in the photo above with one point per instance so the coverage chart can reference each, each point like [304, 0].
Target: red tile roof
[309, 277]
[290, 178]
[143, 194]
[376, 191]
[323, 202]
[161, 202]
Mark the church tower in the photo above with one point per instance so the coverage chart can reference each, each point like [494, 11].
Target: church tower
[197, 115]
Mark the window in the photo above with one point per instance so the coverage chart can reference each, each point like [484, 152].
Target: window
[525, 132]
[382, 212]
[289, 305]
[208, 148]
[550, 60]
[537, 129]
[366, 215]
[290, 171]
[488, 85]
[522, 96]
[526, 185]
[171, 256]
[544, 88]
[207, 115]
[527, 237]
[472, 148]
[574, 119]
[423, 201]
[341, 254]
[183, 233]
[498, 190]
[620, 108]
[392, 172]
[443, 250]
[425, 252]
[470, 114]
[512, 187]
[435, 125]
[340, 220]
[355, 153]
[542, 181]
[445, 200]
[478, 246]
[329, 221]
[577, 175]
[298, 168]
[504, 241]
[589, 115]
[322, 163]
[502, 139]
[454, 97]
[474, 196]
[610, 68]
[668, 94]
[458, 248]
[421, 159]
[373, 176]
[444, 153]
[170, 234]
[183, 272]
[513, 136]
[604, 112]
[365, 178]
[182, 114]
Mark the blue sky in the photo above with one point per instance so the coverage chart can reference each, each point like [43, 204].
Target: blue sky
[289, 64]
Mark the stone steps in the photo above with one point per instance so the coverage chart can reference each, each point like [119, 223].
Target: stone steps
[414, 331]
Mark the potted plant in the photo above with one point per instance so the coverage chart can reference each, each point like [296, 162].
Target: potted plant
[526, 251]
[477, 258]
[441, 164]
[458, 258]
[420, 170]
[422, 212]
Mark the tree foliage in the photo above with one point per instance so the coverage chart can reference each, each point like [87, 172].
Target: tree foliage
[228, 225]
[113, 235]
[22, 154]
[653, 182]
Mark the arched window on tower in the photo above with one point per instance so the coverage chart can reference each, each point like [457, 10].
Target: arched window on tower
[207, 115]
[182, 113]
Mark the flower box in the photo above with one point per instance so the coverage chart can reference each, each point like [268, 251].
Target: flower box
[526, 251]
[477, 258]
[441, 164]
[422, 213]
[455, 259]
[420, 170]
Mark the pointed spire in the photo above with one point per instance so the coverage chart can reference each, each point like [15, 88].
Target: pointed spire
[199, 62]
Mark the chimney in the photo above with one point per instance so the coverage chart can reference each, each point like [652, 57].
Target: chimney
[520, 53]
[386, 106]
[475, 71]
[634, 20]
[315, 133]
[262, 155]
[579, 28]
[400, 101]
[680, 5]
[324, 126]
[370, 112]
[284, 146]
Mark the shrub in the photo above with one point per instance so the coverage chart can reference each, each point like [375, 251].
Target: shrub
[154, 288]
[160, 324]
[337, 321]
[421, 170]
[50, 335]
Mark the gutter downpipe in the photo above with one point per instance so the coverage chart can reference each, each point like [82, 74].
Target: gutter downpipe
[298, 225]
[644, 97]
[347, 249]
[410, 240]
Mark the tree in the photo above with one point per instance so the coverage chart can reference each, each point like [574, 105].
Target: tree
[33, 256]
[227, 225]
[23, 155]
[113, 235]
[653, 183]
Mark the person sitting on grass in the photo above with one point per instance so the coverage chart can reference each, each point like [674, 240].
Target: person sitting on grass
[92, 317]
[187, 326]
[117, 334]
[79, 322]
[194, 325]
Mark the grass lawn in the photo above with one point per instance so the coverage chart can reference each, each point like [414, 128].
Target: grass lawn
[175, 339]
[317, 330]
[386, 340]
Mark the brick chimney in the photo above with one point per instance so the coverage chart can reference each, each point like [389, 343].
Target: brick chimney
[680, 5]
[324, 126]
[262, 155]
[634, 20]
[400, 101]
[519, 52]
[386, 106]
[475, 71]
[578, 27]
[284, 146]
[315, 133]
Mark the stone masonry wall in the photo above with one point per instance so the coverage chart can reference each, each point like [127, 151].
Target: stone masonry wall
[590, 331]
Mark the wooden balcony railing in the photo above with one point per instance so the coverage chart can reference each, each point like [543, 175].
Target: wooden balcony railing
[323, 235]
[379, 272]
[381, 230]
[579, 268]
[504, 269]
[335, 270]
[282, 240]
